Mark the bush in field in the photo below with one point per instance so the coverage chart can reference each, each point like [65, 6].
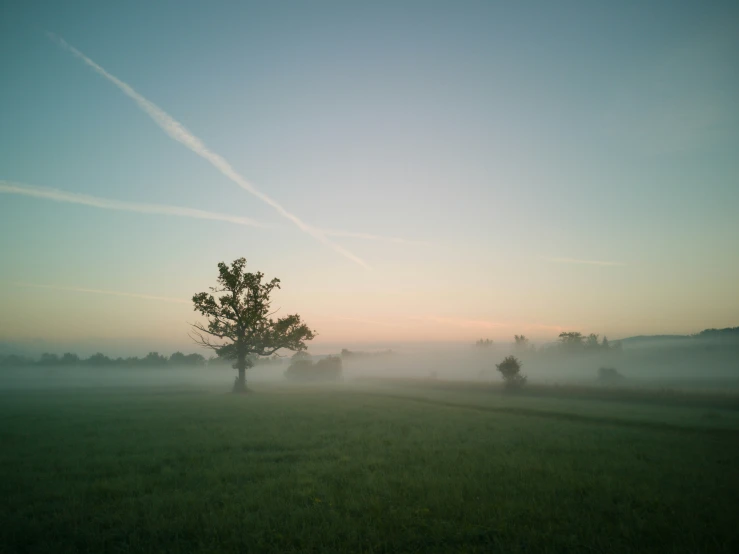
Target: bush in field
[300, 355]
[300, 370]
[609, 376]
[510, 369]
[303, 369]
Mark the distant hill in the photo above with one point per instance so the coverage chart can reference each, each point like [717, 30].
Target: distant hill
[729, 333]
[653, 338]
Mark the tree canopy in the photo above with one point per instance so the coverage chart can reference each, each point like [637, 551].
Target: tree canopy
[510, 369]
[239, 319]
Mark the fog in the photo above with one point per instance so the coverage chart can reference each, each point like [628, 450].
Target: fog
[674, 362]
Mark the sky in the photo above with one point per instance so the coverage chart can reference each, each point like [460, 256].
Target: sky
[411, 171]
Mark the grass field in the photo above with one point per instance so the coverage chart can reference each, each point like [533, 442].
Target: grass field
[363, 469]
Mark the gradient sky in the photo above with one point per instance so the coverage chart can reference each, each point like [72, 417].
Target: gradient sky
[548, 166]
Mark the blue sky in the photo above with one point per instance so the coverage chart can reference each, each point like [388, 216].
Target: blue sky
[505, 142]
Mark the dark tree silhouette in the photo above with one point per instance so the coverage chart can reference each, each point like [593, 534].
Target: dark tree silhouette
[609, 375]
[522, 343]
[98, 359]
[49, 359]
[591, 343]
[240, 323]
[510, 369]
[571, 341]
[180, 359]
[69, 359]
[153, 359]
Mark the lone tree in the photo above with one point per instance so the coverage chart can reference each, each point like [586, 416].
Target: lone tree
[510, 369]
[240, 325]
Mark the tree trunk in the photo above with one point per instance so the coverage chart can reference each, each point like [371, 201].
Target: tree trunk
[240, 381]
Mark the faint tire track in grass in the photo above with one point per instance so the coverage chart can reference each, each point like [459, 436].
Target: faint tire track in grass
[563, 416]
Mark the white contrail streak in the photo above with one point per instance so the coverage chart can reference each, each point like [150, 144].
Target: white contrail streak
[178, 132]
[107, 292]
[586, 262]
[9, 187]
[12, 187]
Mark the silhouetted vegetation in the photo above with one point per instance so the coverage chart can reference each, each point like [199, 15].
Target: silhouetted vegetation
[510, 369]
[240, 325]
[100, 360]
[484, 343]
[610, 376]
[522, 344]
[574, 342]
[178, 358]
[729, 333]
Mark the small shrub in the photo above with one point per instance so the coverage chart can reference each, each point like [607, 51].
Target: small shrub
[609, 376]
[510, 369]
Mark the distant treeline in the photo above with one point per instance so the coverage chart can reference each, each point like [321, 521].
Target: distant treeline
[568, 342]
[728, 334]
[710, 353]
[575, 341]
[152, 359]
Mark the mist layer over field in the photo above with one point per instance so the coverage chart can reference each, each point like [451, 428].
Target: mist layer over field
[641, 362]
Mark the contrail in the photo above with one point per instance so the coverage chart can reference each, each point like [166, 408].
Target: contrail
[178, 132]
[586, 262]
[105, 203]
[107, 292]
[12, 187]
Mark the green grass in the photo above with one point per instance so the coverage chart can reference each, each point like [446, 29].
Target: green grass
[362, 470]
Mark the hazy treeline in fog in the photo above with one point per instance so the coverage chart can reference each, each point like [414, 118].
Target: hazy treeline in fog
[574, 356]
[69, 359]
[708, 358]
